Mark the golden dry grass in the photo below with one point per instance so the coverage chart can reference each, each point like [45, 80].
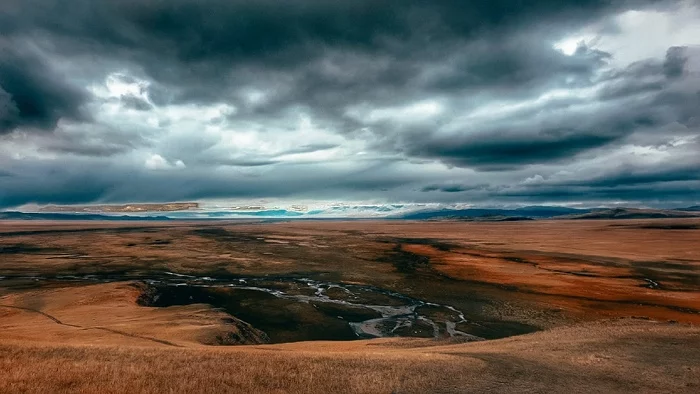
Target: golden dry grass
[107, 314]
[620, 356]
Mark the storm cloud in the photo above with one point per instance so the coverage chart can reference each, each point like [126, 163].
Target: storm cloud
[481, 102]
[32, 95]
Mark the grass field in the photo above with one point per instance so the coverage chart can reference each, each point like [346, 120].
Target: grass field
[581, 306]
[622, 356]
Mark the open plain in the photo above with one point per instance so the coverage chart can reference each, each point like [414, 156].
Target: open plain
[354, 306]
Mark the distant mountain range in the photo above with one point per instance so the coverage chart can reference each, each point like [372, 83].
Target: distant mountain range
[532, 212]
[469, 214]
[633, 213]
[545, 212]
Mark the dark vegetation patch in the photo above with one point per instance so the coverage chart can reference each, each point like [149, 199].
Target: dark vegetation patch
[680, 282]
[405, 262]
[419, 329]
[346, 312]
[282, 320]
[368, 295]
[439, 245]
[665, 266]
[660, 226]
[223, 235]
[119, 230]
[124, 230]
[675, 226]
[253, 301]
[286, 286]
[438, 312]
[221, 273]
[519, 260]
[161, 242]
[565, 272]
[244, 333]
[496, 329]
[22, 248]
[668, 276]
[215, 232]
[579, 273]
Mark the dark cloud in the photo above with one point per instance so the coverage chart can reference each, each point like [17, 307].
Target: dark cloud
[239, 29]
[657, 194]
[9, 113]
[507, 102]
[309, 149]
[240, 162]
[136, 103]
[452, 188]
[309, 50]
[42, 183]
[79, 180]
[32, 95]
[211, 157]
[91, 144]
[637, 100]
[518, 62]
[509, 151]
[645, 177]
[635, 175]
[676, 60]
[638, 78]
[191, 47]
[658, 184]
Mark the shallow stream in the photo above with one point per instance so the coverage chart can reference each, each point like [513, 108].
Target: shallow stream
[292, 308]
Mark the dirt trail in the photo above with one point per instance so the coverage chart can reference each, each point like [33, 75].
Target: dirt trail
[55, 320]
[58, 321]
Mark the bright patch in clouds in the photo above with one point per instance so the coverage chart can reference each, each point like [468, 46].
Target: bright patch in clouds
[414, 112]
[157, 162]
[570, 45]
[639, 34]
[118, 86]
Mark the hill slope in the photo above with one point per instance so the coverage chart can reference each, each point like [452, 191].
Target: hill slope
[611, 357]
[533, 212]
[632, 213]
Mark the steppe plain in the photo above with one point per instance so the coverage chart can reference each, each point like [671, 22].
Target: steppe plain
[350, 306]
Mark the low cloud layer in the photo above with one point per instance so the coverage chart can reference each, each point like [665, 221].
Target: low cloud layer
[569, 102]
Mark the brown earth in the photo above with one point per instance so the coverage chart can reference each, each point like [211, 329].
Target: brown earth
[568, 278]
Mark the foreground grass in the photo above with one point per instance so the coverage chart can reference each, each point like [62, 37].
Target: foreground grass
[606, 357]
[114, 370]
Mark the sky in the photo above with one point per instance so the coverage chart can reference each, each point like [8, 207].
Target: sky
[487, 103]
